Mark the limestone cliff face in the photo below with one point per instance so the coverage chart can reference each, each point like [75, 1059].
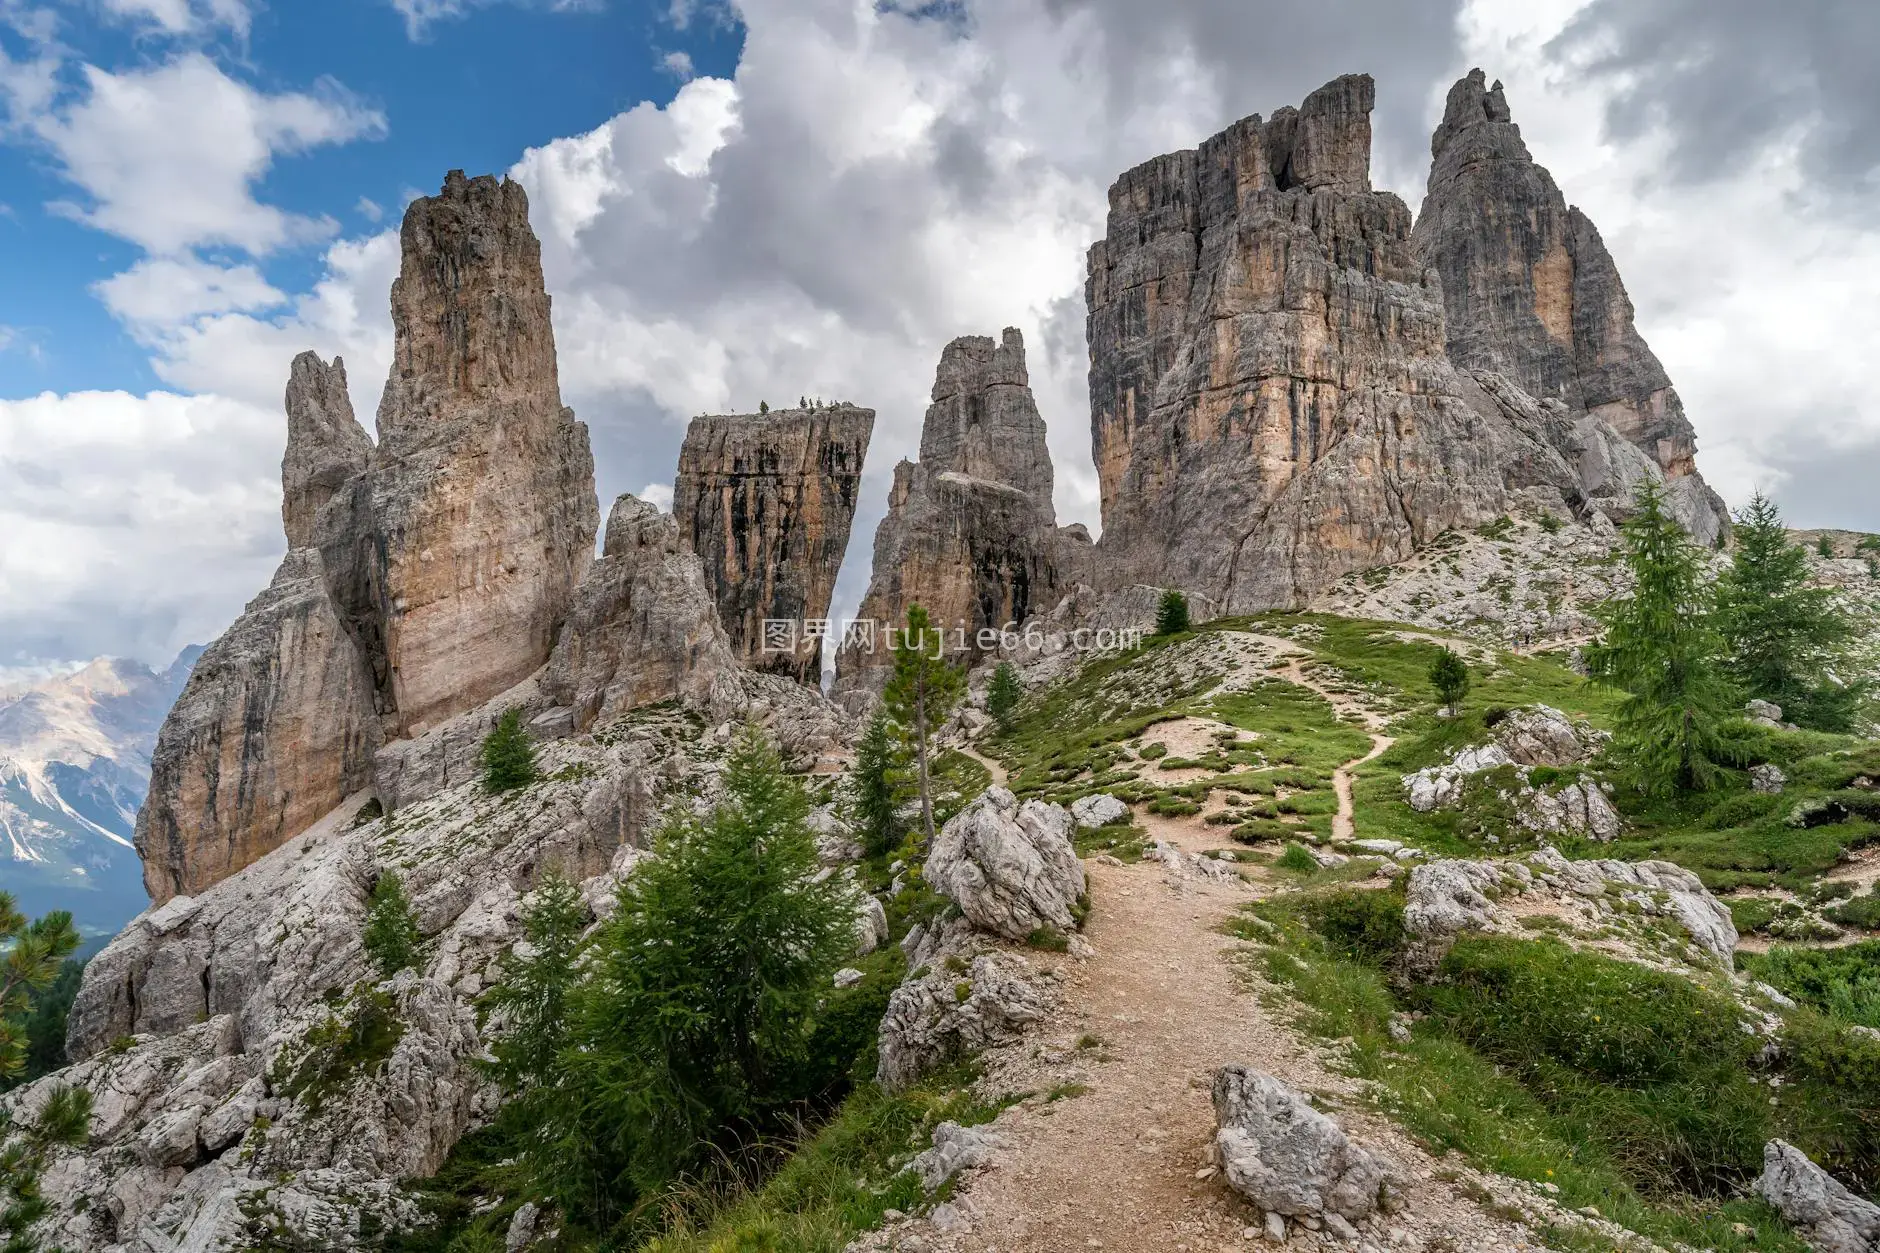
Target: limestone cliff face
[1530, 291]
[482, 487]
[767, 502]
[326, 446]
[970, 533]
[273, 729]
[1271, 402]
[644, 627]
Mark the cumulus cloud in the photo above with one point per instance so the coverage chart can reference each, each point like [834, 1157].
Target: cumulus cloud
[185, 17]
[168, 156]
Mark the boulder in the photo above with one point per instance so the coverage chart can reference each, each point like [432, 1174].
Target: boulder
[937, 1015]
[1763, 713]
[1767, 779]
[1011, 868]
[955, 1148]
[1577, 809]
[1541, 735]
[1827, 1215]
[1439, 787]
[871, 925]
[1098, 810]
[1288, 1158]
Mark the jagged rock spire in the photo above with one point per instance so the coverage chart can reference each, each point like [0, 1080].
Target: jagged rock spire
[326, 446]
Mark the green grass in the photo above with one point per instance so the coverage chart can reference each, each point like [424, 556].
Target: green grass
[1454, 1097]
[1843, 983]
[1861, 911]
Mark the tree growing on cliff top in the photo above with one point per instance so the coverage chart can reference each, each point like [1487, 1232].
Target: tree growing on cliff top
[923, 691]
[508, 755]
[1171, 613]
[1787, 642]
[1662, 649]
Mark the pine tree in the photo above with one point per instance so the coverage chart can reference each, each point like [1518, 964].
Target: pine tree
[63, 1120]
[1003, 695]
[704, 985]
[876, 785]
[1660, 647]
[33, 954]
[1171, 613]
[1785, 639]
[920, 695]
[1824, 547]
[535, 986]
[391, 936]
[508, 755]
[1450, 677]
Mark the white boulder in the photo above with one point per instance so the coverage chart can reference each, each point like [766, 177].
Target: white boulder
[1829, 1217]
[1098, 810]
[1011, 868]
[1288, 1158]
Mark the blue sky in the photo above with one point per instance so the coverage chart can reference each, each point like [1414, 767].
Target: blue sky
[743, 200]
[470, 91]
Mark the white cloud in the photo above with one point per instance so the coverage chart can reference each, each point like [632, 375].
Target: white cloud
[169, 156]
[677, 64]
[159, 293]
[658, 495]
[185, 17]
[420, 14]
[132, 524]
[369, 209]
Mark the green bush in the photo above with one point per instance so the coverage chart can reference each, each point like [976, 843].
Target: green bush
[1860, 911]
[1297, 858]
[1831, 1107]
[1843, 983]
[508, 755]
[1365, 925]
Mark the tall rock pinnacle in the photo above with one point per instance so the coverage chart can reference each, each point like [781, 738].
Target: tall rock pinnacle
[482, 487]
[326, 446]
[1531, 293]
[767, 502]
[970, 533]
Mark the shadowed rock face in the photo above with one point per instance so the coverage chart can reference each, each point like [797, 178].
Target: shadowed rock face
[643, 629]
[970, 534]
[1530, 291]
[273, 729]
[767, 502]
[482, 488]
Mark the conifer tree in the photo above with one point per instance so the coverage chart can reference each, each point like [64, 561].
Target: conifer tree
[535, 987]
[877, 786]
[33, 954]
[1003, 695]
[1171, 613]
[1660, 647]
[694, 1020]
[923, 691]
[1787, 642]
[508, 755]
[391, 936]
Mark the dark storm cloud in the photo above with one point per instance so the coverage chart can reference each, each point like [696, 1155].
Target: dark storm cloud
[1731, 76]
[1264, 54]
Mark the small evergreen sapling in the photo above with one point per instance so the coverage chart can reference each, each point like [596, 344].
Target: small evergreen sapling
[1171, 613]
[877, 785]
[508, 755]
[923, 691]
[391, 936]
[1003, 695]
[34, 954]
[1450, 677]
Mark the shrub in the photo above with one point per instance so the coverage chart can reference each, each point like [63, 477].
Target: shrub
[1365, 925]
[1003, 695]
[1450, 677]
[391, 936]
[1843, 983]
[508, 755]
[1861, 911]
[1297, 858]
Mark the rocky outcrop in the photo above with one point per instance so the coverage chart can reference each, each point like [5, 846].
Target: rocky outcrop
[643, 628]
[1445, 898]
[207, 1030]
[1099, 809]
[766, 501]
[1011, 868]
[1271, 401]
[272, 730]
[1531, 293]
[326, 446]
[970, 534]
[1288, 1158]
[1540, 735]
[482, 486]
[958, 999]
[1829, 1217]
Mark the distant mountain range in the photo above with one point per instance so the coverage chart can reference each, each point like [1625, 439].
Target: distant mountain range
[74, 767]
